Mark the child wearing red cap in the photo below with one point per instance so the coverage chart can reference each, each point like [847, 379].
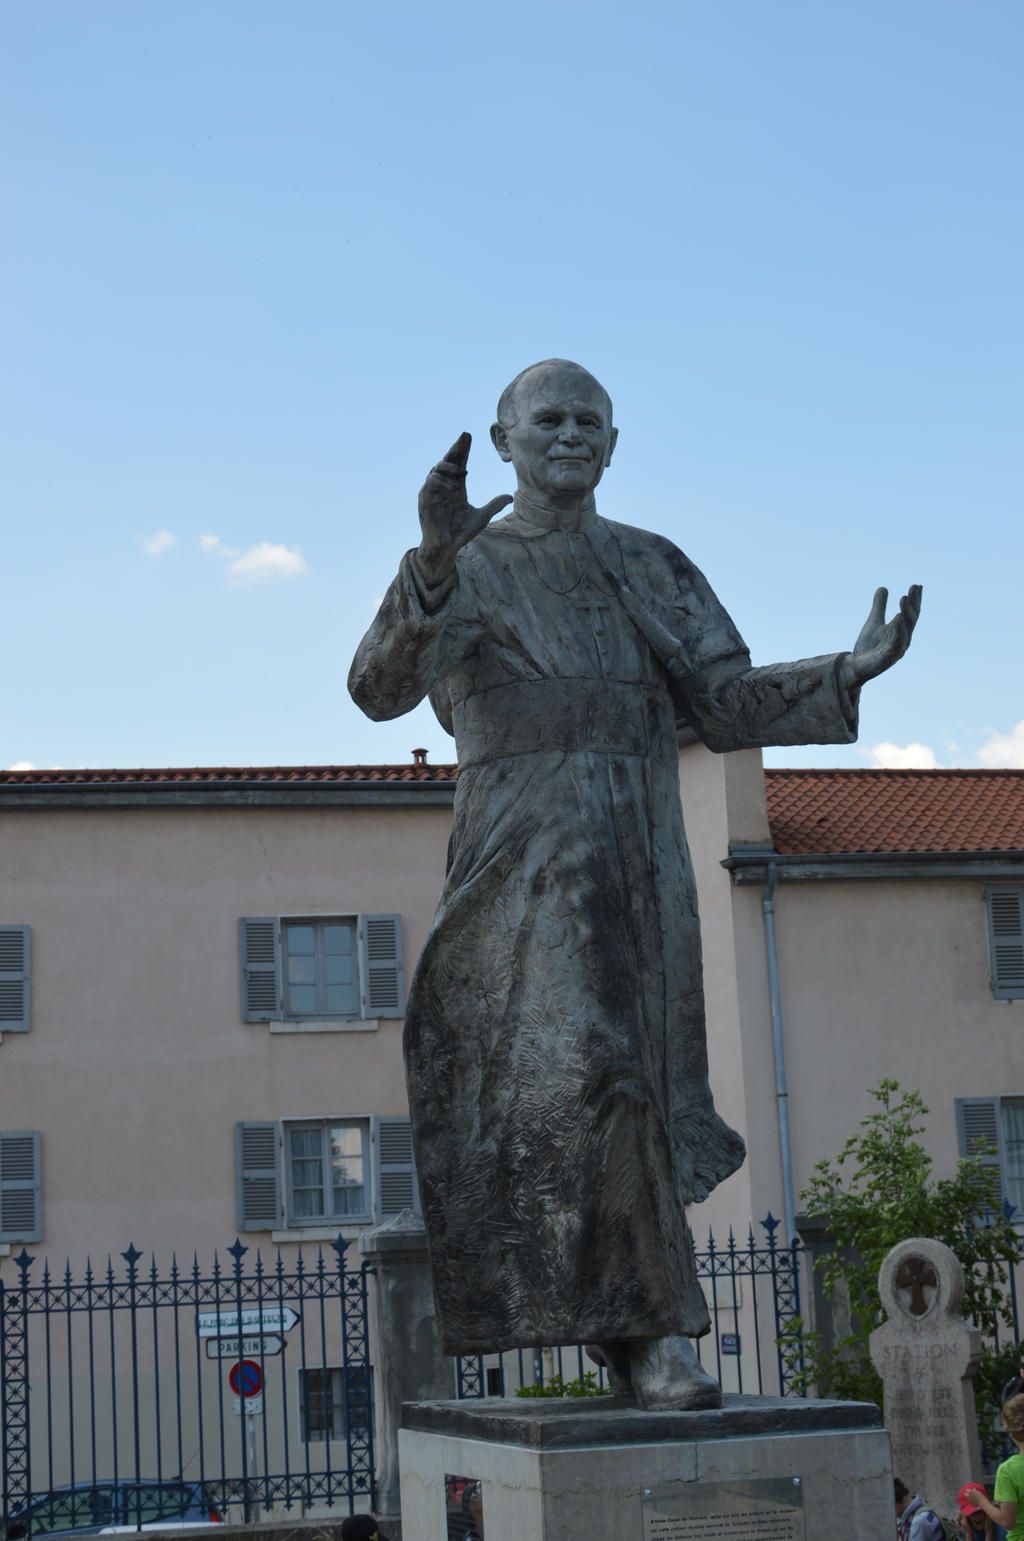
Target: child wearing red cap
[1008, 1507]
[975, 1524]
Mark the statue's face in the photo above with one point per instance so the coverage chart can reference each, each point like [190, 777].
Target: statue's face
[563, 437]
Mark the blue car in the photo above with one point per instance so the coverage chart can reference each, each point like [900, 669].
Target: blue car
[104, 1508]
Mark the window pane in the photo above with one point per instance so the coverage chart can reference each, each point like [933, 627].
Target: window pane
[307, 1174]
[307, 1204]
[339, 968]
[301, 971]
[347, 1140]
[78, 1510]
[307, 1171]
[349, 1201]
[302, 1000]
[315, 1397]
[300, 938]
[338, 939]
[341, 1000]
[347, 1169]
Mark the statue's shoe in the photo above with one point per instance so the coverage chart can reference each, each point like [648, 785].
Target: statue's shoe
[667, 1375]
[614, 1358]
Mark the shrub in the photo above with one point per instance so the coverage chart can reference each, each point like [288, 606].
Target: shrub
[583, 1386]
[879, 1191]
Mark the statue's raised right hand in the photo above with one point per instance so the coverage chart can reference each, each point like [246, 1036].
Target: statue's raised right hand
[448, 520]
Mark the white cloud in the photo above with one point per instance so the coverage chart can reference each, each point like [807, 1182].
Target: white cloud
[265, 560]
[159, 542]
[1004, 751]
[894, 757]
[22, 765]
[214, 546]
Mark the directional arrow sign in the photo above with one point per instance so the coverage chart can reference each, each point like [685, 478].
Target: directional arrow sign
[251, 1322]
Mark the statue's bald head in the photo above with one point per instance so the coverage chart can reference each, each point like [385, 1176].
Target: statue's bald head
[508, 408]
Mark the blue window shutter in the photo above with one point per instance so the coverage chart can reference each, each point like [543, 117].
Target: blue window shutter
[14, 979]
[380, 971]
[258, 1175]
[1005, 909]
[394, 1170]
[261, 990]
[977, 1122]
[20, 1206]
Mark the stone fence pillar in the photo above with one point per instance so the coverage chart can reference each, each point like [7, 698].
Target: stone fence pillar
[410, 1366]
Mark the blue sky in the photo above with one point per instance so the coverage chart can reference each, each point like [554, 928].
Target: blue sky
[264, 262]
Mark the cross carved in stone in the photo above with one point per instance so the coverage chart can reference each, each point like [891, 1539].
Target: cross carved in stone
[914, 1273]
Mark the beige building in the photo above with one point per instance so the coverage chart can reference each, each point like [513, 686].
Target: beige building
[858, 924]
[209, 1001]
[202, 976]
[202, 980]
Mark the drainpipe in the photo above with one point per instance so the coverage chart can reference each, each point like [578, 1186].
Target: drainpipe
[781, 1095]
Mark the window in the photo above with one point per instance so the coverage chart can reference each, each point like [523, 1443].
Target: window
[320, 976]
[1004, 905]
[332, 1401]
[73, 1509]
[325, 1173]
[323, 968]
[998, 1123]
[20, 1209]
[327, 1170]
[14, 979]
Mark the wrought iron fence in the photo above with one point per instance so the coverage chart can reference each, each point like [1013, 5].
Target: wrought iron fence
[253, 1384]
[754, 1290]
[760, 1296]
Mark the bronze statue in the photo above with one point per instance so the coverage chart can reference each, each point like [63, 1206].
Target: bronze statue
[554, 1037]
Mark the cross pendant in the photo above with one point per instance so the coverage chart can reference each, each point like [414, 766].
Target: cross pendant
[595, 606]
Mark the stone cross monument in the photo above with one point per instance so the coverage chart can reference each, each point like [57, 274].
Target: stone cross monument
[927, 1356]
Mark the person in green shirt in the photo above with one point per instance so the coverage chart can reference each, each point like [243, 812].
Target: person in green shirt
[1009, 1489]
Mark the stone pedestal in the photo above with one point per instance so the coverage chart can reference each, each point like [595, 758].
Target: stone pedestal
[602, 1470]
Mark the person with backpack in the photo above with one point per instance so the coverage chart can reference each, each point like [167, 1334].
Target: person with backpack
[914, 1520]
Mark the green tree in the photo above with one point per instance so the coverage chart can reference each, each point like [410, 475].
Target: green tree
[879, 1191]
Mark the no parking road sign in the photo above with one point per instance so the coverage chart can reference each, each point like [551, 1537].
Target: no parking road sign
[246, 1378]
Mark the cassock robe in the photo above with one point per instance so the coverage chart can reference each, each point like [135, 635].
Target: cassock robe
[554, 1035]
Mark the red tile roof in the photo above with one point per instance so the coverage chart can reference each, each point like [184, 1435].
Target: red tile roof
[810, 811]
[825, 811]
[230, 775]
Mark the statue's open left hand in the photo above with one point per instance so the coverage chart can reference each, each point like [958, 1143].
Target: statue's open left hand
[882, 643]
[447, 518]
